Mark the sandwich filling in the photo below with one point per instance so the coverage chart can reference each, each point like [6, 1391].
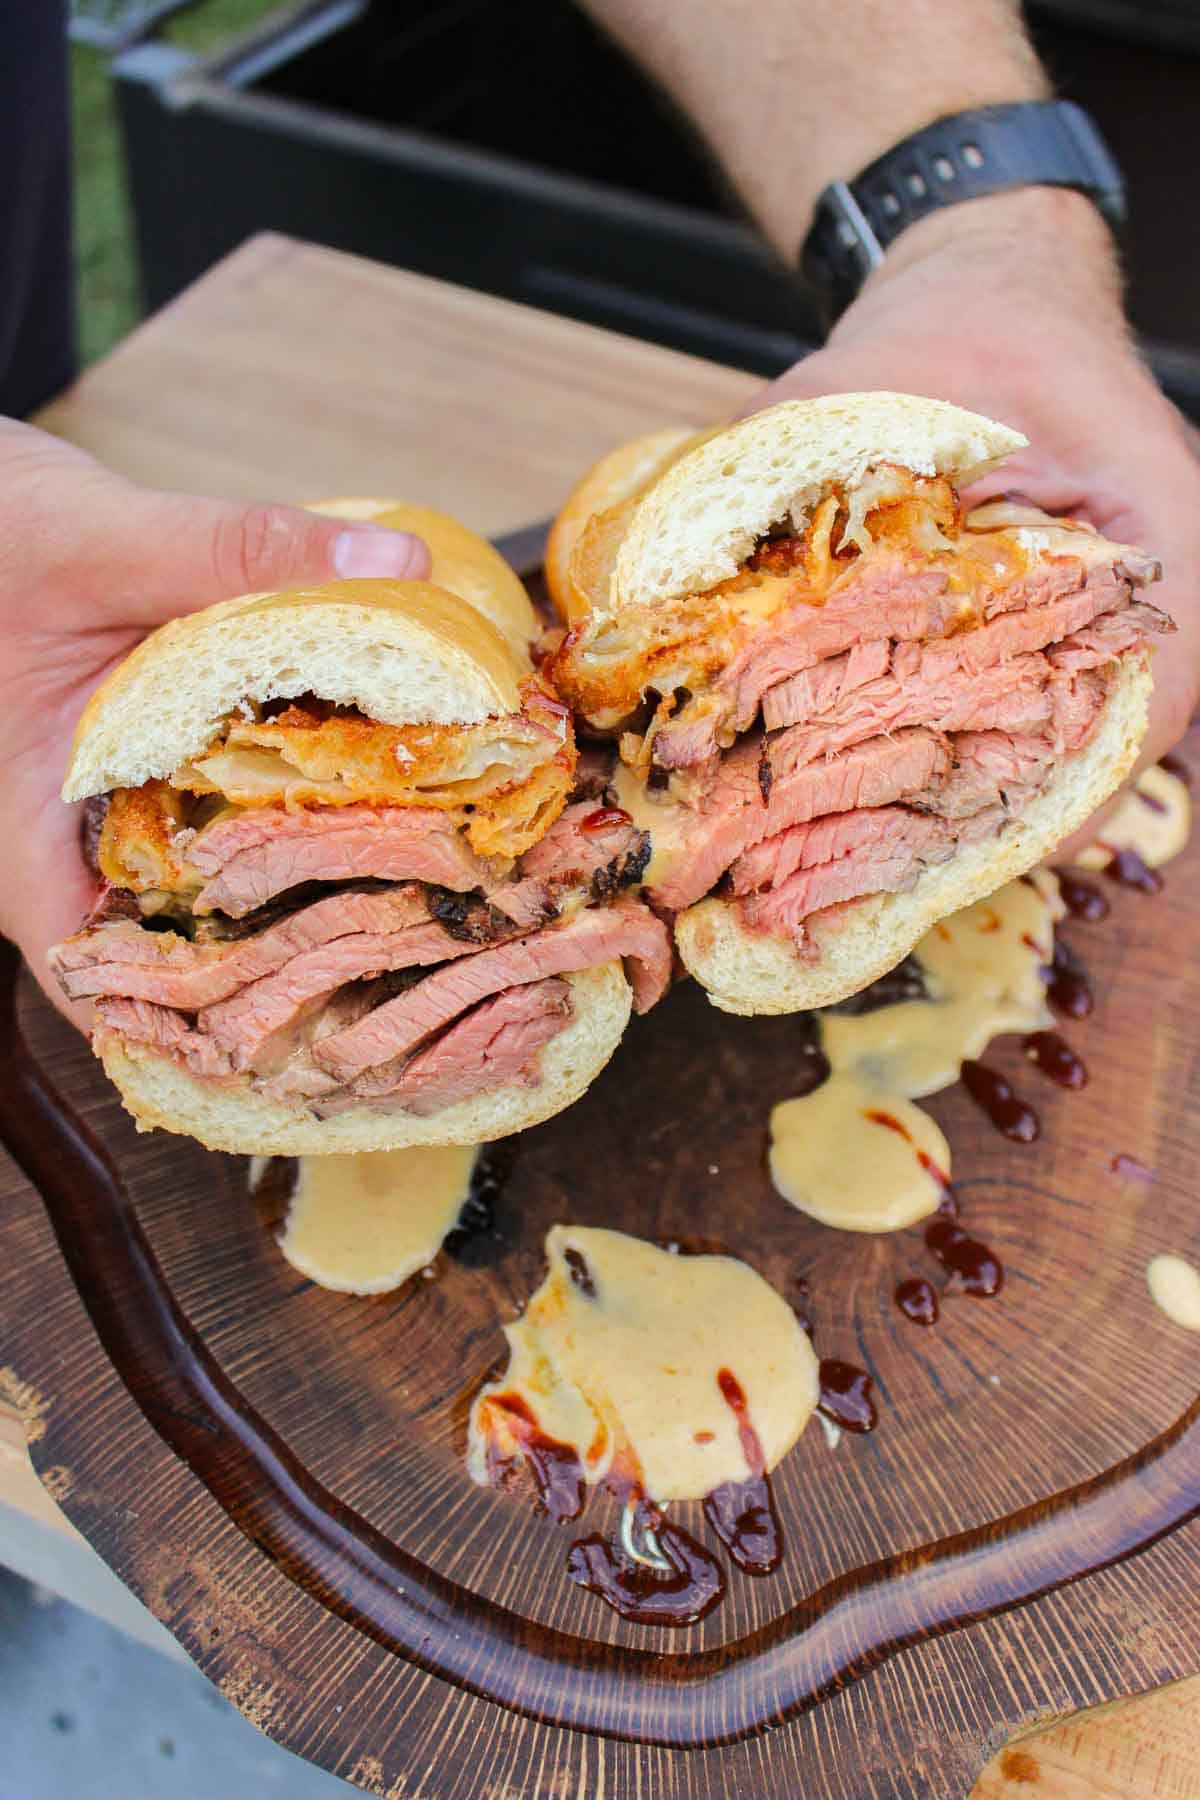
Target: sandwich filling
[876, 686]
[342, 913]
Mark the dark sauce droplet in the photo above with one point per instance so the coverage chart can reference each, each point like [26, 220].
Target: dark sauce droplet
[994, 1095]
[846, 1396]
[742, 1513]
[974, 1269]
[1055, 1058]
[580, 1273]
[1150, 801]
[477, 1238]
[647, 1592]
[905, 982]
[1175, 766]
[1067, 987]
[555, 1466]
[918, 1301]
[1127, 869]
[1082, 899]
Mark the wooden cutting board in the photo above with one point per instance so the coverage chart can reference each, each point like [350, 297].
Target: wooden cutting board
[1043, 1425]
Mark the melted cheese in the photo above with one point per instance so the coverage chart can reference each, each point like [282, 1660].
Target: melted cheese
[626, 1374]
[1175, 1289]
[1152, 818]
[831, 1154]
[655, 812]
[364, 1224]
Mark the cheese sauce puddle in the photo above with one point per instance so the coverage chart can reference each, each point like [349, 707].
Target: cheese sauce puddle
[855, 1153]
[1175, 1289]
[364, 1224]
[666, 1377]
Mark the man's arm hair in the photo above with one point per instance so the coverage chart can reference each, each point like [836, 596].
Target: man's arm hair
[793, 94]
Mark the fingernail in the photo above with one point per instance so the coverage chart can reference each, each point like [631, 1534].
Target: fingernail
[372, 551]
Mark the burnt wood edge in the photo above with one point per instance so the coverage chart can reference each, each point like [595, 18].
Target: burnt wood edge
[688, 1700]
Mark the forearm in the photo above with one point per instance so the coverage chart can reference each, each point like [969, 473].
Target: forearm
[793, 94]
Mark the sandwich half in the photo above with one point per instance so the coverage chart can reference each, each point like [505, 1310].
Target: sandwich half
[350, 900]
[845, 708]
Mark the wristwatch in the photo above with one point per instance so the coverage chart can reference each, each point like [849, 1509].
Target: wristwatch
[1036, 143]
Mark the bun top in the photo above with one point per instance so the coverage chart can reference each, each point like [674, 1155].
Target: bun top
[403, 652]
[463, 562]
[700, 521]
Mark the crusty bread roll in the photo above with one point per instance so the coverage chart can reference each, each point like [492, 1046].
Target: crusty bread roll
[403, 652]
[163, 1096]
[750, 972]
[697, 525]
[463, 562]
[621, 475]
[671, 523]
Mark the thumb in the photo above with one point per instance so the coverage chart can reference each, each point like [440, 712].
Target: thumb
[171, 553]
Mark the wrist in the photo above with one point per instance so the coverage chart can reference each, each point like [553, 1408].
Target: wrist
[1022, 252]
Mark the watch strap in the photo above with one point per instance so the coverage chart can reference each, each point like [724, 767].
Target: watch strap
[1032, 143]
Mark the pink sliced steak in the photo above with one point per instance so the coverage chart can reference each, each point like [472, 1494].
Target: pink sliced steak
[126, 959]
[493, 1046]
[880, 851]
[387, 1036]
[266, 850]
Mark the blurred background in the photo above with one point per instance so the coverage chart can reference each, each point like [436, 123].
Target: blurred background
[511, 148]
[505, 145]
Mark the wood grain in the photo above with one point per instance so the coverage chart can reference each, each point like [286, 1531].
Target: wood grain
[291, 371]
[243, 387]
[1145, 1747]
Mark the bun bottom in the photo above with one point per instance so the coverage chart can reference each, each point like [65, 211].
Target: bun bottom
[163, 1096]
[752, 972]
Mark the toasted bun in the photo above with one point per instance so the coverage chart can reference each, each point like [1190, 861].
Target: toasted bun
[463, 562]
[163, 1096]
[621, 475]
[752, 972]
[700, 521]
[403, 652]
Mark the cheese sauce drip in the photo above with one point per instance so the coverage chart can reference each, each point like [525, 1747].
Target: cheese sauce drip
[855, 1153]
[1175, 1289]
[364, 1224]
[1153, 819]
[671, 1375]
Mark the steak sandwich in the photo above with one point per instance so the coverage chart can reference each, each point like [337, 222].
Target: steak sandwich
[349, 902]
[845, 708]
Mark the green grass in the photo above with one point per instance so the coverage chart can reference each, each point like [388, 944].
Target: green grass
[105, 259]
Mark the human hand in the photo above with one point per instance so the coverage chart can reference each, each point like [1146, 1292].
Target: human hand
[89, 563]
[1011, 306]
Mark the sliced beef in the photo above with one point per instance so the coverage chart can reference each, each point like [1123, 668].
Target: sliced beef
[259, 853]
[815, 690]
[813, 693]
[1009, 697]
[733, 816]
[597, 847]
[877, 772]
[242, 1024]
[869, 834]
[1075, 706]
[387, 1037]
[730, 815]
[1109, 637]
[125, 959]
[874, 852]
[161, 1029]
[990, 768]
[495, 1045]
